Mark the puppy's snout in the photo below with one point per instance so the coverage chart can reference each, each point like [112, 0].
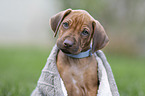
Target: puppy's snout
[68, 43]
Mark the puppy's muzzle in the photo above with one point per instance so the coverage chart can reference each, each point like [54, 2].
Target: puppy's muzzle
[68, 43]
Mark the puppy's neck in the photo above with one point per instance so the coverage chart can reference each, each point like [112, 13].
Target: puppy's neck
[81, 55]
[69, 61]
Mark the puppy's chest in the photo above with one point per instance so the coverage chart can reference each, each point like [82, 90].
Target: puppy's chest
[76, 67]
[79, 75]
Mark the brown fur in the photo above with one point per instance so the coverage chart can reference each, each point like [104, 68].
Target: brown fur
[79, 75]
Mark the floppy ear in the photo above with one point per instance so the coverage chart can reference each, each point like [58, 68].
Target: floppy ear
[100, 38]
[56, 20]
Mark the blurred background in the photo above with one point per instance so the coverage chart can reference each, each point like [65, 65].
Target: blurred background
[26, 41]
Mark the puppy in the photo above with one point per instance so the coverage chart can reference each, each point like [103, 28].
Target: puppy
[76, 62]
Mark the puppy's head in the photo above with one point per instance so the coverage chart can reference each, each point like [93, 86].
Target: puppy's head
[77, 28]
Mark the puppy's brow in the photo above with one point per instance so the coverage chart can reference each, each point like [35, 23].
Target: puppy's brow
[78, 20]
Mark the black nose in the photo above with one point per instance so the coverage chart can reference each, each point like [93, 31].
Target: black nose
[68, 43]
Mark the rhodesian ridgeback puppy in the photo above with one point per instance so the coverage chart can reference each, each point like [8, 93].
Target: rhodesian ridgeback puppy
[77, 30]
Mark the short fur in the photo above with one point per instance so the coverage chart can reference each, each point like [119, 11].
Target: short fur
[77, 28]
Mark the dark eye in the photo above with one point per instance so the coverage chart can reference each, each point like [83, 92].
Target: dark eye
[85, 33]
[65, 25]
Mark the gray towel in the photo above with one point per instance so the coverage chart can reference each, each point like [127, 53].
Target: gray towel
[51, 84]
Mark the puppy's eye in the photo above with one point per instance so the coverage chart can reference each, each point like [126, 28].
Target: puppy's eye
[65, 25]
[85, 33]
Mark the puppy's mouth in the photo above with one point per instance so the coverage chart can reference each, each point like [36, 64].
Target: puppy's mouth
[68, 47]
[69, 50]
[65, 51]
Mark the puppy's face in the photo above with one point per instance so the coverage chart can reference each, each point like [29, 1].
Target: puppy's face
[76, 31]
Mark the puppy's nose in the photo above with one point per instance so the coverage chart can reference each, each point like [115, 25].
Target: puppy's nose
[67, 43]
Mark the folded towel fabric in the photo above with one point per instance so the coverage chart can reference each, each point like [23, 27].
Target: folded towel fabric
[51, 84]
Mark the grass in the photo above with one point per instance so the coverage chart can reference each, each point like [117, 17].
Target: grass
[20, 69]
[129, 74]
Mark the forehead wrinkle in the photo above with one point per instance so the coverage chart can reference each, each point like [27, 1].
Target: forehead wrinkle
[78, 20]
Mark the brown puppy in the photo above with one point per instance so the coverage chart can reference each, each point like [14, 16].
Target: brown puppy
[76, 31]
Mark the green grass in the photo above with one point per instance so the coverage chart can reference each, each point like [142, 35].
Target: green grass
[20, 69]
[129, 74]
